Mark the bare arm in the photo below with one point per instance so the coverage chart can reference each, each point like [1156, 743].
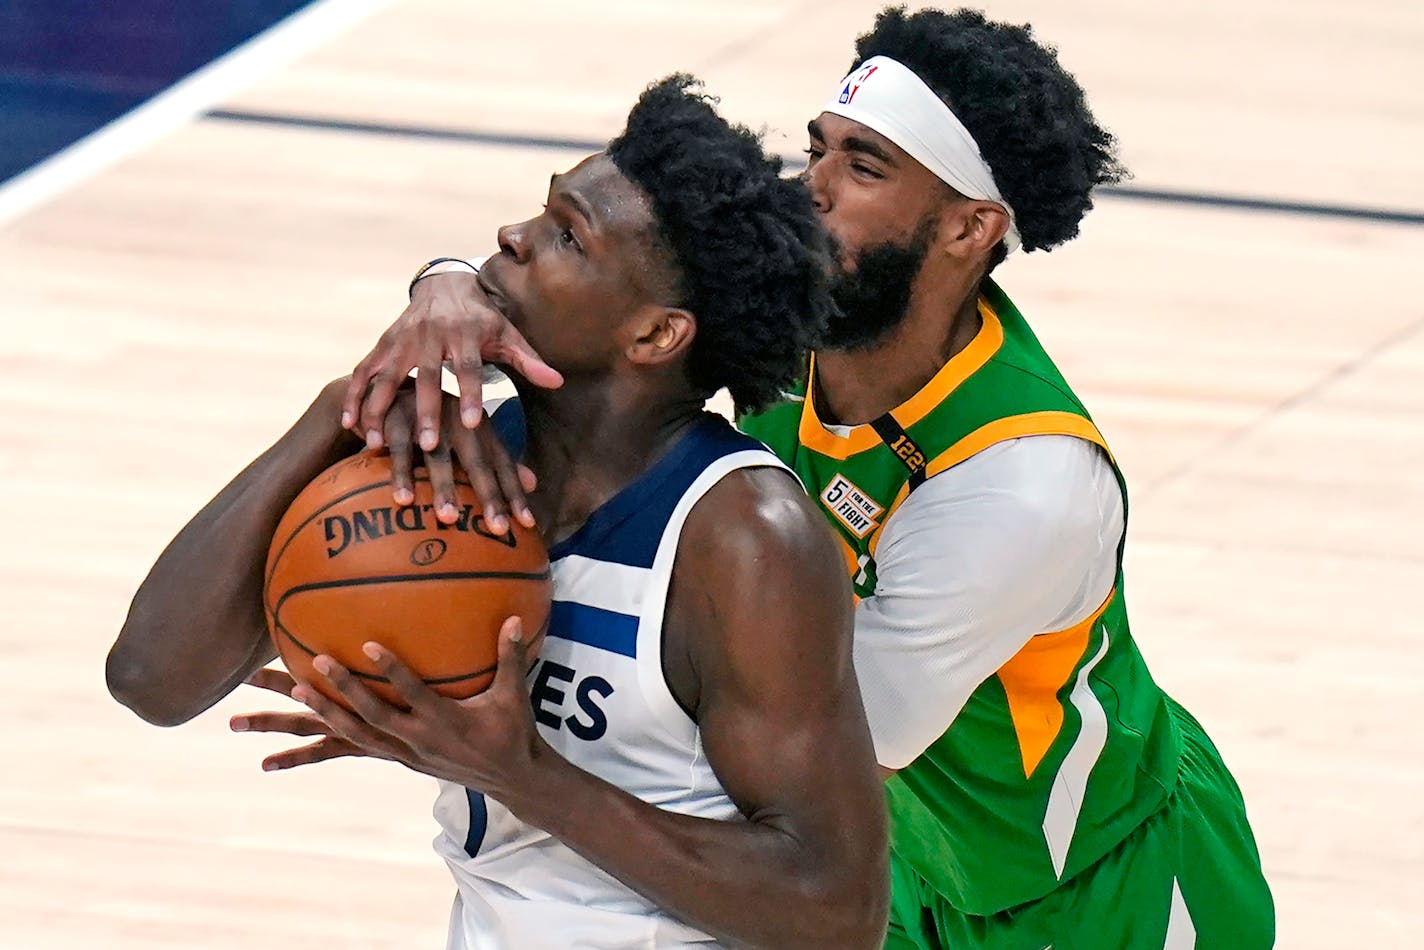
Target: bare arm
[968, 576]
[195, 628]
[764, 599]
[763, 605]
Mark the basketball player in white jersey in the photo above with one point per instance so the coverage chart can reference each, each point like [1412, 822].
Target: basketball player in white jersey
[682, 759]
[1046, 791]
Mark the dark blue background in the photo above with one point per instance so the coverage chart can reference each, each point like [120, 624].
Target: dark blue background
[68, 67]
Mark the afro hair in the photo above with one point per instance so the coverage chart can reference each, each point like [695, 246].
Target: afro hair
[751, 259]
[1027, 113]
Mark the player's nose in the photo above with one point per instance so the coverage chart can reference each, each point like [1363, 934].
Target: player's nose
[817, 180]
[514, 240]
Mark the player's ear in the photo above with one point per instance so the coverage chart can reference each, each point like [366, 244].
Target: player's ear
[970, 229]
[664, 333]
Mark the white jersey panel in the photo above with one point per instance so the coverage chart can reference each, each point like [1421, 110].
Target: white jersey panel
[600, 698]
[1035, 523]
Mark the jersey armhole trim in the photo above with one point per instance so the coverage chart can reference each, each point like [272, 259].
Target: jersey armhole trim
[653, 680]
[816, 437]
[1050, 422]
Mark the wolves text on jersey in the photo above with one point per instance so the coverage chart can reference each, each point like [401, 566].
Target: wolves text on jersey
[550, 698]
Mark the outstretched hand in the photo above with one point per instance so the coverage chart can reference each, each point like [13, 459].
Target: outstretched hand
[449, 319]
[292, 723]
[488, 742]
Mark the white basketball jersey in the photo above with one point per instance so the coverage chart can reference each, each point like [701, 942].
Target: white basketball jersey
[600, 699]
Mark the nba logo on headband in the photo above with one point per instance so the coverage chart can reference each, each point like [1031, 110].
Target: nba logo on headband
[854, 83]
[909, 113]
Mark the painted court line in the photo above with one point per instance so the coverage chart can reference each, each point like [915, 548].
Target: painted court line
[795, 163]
[278, 45]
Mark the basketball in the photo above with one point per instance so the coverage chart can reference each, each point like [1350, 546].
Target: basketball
[348, 566]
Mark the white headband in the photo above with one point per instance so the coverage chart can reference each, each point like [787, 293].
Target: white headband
[886, 96]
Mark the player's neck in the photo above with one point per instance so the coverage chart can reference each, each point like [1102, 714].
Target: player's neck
[587, 443]
[857, 386]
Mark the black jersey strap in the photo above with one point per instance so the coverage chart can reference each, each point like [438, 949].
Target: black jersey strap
[897, 440]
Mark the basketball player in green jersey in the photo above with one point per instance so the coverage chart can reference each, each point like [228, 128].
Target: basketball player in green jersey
[1044, 791]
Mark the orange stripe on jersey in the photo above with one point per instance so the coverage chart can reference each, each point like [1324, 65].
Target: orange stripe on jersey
[818, 438]
[1014, 427]
[960, 367]
[1031, 683]
[900, 497]
[1000, 430]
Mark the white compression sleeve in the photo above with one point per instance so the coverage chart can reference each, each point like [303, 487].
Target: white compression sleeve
[1018, 540]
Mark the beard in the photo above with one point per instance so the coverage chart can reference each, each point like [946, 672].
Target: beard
[873, 295]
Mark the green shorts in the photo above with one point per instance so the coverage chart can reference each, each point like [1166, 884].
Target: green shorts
[1189, 878]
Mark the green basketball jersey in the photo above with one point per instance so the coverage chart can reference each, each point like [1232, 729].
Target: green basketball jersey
[1069, 746]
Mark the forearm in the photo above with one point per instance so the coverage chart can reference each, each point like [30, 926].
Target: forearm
[196, 627]
[755, 883]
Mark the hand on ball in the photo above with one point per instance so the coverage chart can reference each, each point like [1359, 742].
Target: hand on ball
[303, 723]
[488, 742]
[499, 483]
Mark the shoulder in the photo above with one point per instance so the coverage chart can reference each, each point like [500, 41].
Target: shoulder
[1036, 498]
[756, 515]
[1039, 467]
[1053, 478]
[748, 495]
[756, 554]
[755, 557]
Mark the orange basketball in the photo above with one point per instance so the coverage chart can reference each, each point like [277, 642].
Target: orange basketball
[348, 566]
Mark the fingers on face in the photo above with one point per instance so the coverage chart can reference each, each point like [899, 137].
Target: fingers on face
[516, 351]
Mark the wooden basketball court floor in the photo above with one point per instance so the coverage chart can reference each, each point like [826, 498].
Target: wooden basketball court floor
[1260, 373]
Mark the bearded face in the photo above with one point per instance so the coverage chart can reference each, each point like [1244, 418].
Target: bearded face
[872, 293]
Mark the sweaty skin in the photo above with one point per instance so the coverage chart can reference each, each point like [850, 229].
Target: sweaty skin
[766, 673]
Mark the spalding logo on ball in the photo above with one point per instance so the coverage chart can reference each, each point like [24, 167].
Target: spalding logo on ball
[347, 566]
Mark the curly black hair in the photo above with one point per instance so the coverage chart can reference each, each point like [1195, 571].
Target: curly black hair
[751, 258]
[1027, 112]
